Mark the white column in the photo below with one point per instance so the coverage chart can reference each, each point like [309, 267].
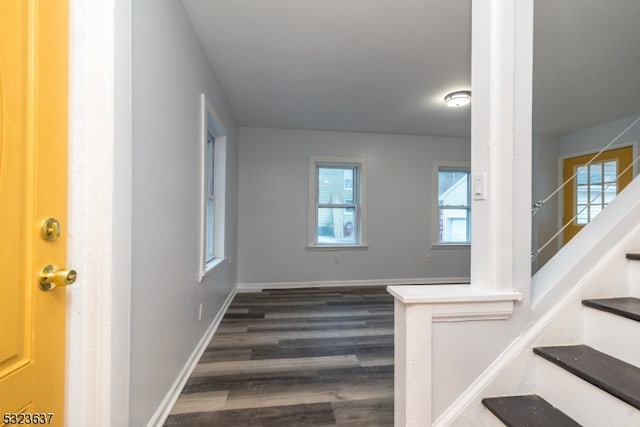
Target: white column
[501, 129]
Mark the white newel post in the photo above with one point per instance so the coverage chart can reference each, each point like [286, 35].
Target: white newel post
[416, 308]
[412, 358]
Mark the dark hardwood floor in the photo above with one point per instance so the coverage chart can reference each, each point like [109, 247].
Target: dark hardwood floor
[301, 357]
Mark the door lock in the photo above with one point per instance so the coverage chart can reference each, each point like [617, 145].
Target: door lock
[51, 277]
[50, 229]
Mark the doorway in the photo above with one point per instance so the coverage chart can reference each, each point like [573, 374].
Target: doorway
[593, 185]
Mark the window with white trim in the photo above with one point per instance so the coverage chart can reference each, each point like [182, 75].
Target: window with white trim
[213, 167]
[453, 205]
[210, 200]
[336, 202]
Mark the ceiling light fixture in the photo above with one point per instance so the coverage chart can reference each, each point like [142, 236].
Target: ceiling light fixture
[458, 99]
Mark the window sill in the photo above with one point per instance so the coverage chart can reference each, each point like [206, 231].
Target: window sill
[335, 247]
[448, 246]
[211, 266]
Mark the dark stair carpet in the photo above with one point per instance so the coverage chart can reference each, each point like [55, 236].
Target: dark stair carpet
[612, 375]
[634, 257]
[527, 411]
[628, 307]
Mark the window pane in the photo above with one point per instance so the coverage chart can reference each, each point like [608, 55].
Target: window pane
[595, 195]
[582, 176]
[595, 173]
[453, 188]
[582, 195]
[611, 171]
[209, 165]
[454, 225]
[593, 211]
[209, 230]
[610, 192]
[348, 179]
[583, 214]
[335, 185]
[337, 226]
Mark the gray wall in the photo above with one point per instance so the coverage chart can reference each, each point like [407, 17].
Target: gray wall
[545, 180]
[170, 70]
[273, 207]
[592, 139]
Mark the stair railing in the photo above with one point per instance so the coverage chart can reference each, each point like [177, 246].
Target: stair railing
[541, 203]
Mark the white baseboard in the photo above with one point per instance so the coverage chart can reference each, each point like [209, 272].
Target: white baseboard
[161, 414]
[257, 287]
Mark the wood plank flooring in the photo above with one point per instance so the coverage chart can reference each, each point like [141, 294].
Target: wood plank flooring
[301, 357]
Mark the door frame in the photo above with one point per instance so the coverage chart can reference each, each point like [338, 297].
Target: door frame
[98, 310]
[634, 143]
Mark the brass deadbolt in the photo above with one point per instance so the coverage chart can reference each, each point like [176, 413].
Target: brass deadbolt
[51, 277]
[50, 229]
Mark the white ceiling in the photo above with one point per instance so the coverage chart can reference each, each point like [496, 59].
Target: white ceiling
[385, 65]
[586, 63]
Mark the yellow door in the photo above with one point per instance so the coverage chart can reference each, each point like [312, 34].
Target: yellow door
[594, 186]
[33, 183]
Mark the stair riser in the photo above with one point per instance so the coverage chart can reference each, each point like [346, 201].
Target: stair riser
[490, 420]
[633, 278]
[612, 334]
[582, 401]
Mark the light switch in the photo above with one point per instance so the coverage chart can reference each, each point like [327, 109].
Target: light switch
[480, 187]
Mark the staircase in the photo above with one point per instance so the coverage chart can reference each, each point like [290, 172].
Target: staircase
[595, 383]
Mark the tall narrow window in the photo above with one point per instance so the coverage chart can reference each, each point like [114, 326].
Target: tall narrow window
[453, 205]
[213, 151]
[336, 211]
[210, 200]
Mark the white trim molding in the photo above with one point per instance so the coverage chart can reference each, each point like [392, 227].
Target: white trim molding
[457, 303]
[415, 310]
[429, 281]
[99, 214]
[211, 123]
[360, 196]
[435, 213]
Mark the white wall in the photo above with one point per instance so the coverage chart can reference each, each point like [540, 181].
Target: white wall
[544, 182]
[592, 139]
[170, 70]
[273, 207]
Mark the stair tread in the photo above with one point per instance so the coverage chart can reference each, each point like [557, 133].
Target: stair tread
[628, 307]
[612, 375]
[527, 411]
[635, 257]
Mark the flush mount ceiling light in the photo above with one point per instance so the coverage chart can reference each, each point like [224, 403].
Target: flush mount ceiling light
[458, 99]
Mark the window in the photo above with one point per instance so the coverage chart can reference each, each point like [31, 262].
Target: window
[594, 186]
[213, 152]
[210, 200]
[453, 215]
[336, 202]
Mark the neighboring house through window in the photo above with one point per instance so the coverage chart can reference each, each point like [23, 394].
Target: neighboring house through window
[336, 202]
[453, 208]
[213, 152]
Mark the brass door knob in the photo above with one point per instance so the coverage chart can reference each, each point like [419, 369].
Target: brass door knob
[51, 277]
